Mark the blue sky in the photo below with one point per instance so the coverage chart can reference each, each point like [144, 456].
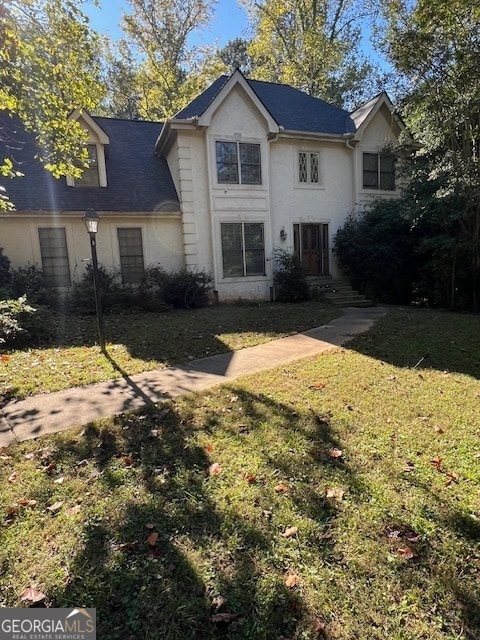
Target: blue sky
[230, 20]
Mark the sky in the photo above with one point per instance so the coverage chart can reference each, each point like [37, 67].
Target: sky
[230, 20]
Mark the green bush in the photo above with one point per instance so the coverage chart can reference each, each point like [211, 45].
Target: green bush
[23, 325]
[29, 281]
[82, 296]
[289, 277]
[376, 250]
[151, 291]
[187, 288]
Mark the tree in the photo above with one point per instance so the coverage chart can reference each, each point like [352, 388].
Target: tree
[434, 44]
[234, 55]
[48, 68]
[313, 45]
[168, 76]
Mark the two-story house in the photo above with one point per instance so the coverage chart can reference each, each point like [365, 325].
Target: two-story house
[245, 168]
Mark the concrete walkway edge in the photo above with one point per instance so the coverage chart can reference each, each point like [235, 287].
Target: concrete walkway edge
[53, 412]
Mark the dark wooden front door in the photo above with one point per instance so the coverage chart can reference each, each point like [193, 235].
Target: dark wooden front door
[314, 251]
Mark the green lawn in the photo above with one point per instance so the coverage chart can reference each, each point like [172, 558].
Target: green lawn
[142, 341]
[336, 497]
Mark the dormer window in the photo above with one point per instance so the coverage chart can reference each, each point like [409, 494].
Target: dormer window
[90, 177]
[95, 175]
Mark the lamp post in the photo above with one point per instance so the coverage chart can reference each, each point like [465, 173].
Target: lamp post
[91, 221]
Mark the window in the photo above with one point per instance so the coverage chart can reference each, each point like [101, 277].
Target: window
[238, 163]
[243, 249]
[308, 167]
[53, 249]
[90, 177]
[131, 254]
[379, 171]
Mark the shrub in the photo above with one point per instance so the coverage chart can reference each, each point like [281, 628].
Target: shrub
[187, 288]
[151, 291]
[29, 281]
[22, 325]
[289, 277]
[82, 297]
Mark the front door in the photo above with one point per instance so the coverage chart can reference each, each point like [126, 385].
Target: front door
[314, 248]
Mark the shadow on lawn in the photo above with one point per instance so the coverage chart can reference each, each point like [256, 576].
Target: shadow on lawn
[154, 590]
[424, 339]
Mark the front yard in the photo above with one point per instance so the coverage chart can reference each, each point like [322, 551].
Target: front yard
[336, 497]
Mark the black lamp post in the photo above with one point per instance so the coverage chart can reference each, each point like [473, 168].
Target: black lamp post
[91, 221]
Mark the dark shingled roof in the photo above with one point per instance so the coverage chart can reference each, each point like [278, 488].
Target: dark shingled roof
[292, 109]
[137, 179]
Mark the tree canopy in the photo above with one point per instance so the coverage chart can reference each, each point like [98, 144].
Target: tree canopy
[48, 67]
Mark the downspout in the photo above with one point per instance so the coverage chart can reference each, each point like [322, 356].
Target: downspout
[348, 137]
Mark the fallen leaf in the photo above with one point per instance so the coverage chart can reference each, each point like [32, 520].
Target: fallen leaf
[12, 477]
[208, 447]
[214, 469]
[5, 457]
[250, 478]
[289, 532]
[152, 539]
[412, 536]
[437, 463]
[58, 481]
[128, 460]
[29, 456]
[27, 503]
[439, 430]
[452, 477]
[291, 580]
[335, 453]
[281, 488]
[74, 510]
[5, 357]
[32, 595]
[150, 525]
[318, 386]
[406, 553]
[55, 506]
[409, 467]
[319, 626]
[234, 399]
[335, 492]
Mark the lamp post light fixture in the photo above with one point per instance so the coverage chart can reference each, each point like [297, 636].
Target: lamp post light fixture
[91, 222]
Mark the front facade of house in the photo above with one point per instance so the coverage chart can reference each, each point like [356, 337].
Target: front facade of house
[248, 167]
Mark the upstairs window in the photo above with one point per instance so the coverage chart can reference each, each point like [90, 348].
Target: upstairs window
[308, 167]
[131, 254]
[238, 163]
[90, 176]
[53, 249]
[379, 171]
[243, 249]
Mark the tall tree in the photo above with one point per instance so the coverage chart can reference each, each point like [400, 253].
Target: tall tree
[161, 30]
[435, 45]
[313, 45]
[48, 67]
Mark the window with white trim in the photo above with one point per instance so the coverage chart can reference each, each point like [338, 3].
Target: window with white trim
[130, 248]
[243, 249]
[379, 171]
[308, 167]
[90, 176]
[238, 163]
[54, 253]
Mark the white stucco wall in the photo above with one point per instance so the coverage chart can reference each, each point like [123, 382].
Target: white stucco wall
[161, 237]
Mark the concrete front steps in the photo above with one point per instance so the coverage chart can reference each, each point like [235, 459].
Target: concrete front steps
[337, 292]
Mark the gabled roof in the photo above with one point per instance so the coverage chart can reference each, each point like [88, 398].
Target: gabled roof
[137, 179]
[292, 110]
[365, 113]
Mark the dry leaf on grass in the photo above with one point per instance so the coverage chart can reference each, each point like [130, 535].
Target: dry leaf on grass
[152, 539]
[32, 595]
[214, 469]
[335, 453]
[289, 532]
[406, 553]
[55, 506]
[335, 492]
[291, 580]
[281, 488]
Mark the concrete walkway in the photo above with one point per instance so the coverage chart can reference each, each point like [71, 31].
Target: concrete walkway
[53, 412]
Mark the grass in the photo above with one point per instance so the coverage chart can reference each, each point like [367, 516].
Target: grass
[144, 341]
[337, 497]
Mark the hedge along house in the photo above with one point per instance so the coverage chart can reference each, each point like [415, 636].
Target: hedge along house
[245, 168]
